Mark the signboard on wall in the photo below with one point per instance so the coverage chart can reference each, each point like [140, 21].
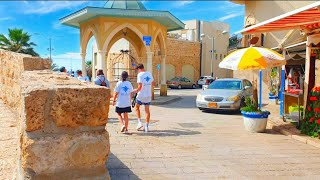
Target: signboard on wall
[147, 40]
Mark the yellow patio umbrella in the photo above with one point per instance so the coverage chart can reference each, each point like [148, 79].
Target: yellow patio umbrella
[253, 58]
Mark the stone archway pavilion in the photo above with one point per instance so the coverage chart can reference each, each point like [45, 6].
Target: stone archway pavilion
[124, 19]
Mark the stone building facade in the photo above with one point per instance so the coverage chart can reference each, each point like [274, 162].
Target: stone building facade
[217, 30]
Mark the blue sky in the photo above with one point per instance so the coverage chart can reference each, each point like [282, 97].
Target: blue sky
[41, 19]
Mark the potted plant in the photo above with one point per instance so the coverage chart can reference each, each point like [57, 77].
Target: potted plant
[254, 119]
[274, 86]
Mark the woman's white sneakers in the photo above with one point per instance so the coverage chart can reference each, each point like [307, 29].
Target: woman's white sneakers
[139, 126]
[123, 128]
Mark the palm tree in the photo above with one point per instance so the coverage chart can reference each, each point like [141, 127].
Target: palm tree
[54, 67]
[89, 69]
[18, 41]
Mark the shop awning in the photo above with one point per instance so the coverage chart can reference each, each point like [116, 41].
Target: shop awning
[306, 18]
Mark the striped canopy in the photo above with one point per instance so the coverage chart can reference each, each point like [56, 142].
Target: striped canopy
[305, 18]
[252, 58]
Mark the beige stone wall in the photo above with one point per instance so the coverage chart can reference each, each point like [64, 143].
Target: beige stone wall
[179, 53]
[61, 120]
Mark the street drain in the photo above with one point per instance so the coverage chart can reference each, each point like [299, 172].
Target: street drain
[190, 125]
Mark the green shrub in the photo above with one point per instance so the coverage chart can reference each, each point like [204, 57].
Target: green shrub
[250, 106]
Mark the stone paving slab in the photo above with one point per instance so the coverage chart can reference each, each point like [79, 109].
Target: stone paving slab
[218, 149]
[8, 142]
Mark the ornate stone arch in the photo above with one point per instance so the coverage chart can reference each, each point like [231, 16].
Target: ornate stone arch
[131, 41]
[86, 36]
[161, 40]
[118, 29]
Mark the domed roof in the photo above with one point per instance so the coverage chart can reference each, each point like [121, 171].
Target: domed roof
[128, 4]
[132, 9]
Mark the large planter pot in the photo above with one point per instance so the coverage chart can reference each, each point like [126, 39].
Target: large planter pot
[273, 99]
[255, 121]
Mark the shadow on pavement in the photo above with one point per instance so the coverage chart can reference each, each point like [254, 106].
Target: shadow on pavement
[236, 113]
[166, 133]
[118, 170]
[182, 103]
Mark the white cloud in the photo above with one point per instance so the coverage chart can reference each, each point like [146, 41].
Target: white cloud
[5, 18]
[182, 3]
[70, 60]
[67, 56]
[57, 25]
[230, 16]
[45, 7]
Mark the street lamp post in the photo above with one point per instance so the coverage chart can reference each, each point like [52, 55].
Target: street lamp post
[212, 45]
[50, 49]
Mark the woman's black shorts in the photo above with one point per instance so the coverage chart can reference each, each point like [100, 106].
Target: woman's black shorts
[123, 110]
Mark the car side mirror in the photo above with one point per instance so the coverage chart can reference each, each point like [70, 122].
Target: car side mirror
[247, 87]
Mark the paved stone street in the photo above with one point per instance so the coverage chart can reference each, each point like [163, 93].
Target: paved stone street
[185, 143]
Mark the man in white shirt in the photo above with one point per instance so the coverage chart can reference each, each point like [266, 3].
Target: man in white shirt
[144, 96]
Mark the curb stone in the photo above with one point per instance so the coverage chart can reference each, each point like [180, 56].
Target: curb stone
[298, 137]
[175, 98]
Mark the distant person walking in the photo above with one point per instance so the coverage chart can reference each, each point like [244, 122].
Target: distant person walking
[144, 90]
[101, 80]
[122, 100]
[63, 69]
[81, 77]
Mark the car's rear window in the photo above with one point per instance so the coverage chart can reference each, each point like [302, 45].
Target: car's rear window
[232, 85]
[201, 78]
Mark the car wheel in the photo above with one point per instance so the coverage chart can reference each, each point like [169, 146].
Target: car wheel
[201, 109]
[194, 86]
[179, 86]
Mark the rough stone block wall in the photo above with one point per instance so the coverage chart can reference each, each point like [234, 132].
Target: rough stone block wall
[11, 67]
[179, 53]
[61, 120]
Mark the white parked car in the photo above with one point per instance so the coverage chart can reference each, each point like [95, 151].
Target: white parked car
[202, 80]
[225, 94]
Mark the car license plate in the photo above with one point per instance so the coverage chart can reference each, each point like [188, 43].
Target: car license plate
[212, 105]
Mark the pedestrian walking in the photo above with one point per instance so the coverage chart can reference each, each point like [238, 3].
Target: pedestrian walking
[63, 69]
[101, 80]
[144, 95]
[81, 77]
[122, 100]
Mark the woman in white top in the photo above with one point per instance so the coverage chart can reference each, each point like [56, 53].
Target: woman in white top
[122, 100]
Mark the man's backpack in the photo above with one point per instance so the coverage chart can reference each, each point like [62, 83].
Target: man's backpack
[103, 83]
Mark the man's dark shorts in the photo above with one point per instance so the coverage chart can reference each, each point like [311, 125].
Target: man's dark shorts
[143, 103]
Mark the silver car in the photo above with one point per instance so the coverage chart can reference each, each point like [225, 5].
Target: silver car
[225, 94]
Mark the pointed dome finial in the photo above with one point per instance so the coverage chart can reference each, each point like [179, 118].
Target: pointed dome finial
[127, 4]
